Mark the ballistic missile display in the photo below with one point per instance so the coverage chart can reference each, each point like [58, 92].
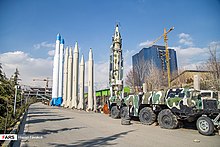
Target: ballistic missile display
[75, 76]
[116, 67]
[60, 85]
[81, 104]
[65, 77]
[69, 84]
[90, 81]
[56, 71]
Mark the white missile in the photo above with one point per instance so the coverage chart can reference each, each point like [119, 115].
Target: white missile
[65, 77]
[60, 84]
[56, 71]
[116, 66]
[90, 81]
[70, 70]
[81, 104]
[75, 76]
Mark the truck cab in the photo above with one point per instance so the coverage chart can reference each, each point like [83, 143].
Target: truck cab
[211, 95]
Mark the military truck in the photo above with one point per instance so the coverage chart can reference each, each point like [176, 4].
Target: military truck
[170, 107]
[117, 107]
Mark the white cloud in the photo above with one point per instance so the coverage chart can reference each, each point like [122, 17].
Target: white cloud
[185, 39]
[215, 44]
[38, 68]
[190, 57]
[51, 52]
[101, 74]
[145, 44]
[128, 60]
[28, 67]
[44, 45]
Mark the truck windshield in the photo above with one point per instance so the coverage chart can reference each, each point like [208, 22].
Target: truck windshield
[206, 94]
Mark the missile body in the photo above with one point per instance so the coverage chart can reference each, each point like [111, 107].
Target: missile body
[90, 81]
[116, 67]
[56, 71]
[60, 84]
[69, 77]
[65, 77]
[75, 77]
[81, 104]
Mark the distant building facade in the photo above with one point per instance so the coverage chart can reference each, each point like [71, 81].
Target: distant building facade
[186, 78]
[155, 55]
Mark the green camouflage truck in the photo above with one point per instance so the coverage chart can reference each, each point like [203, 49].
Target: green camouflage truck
[170, 107]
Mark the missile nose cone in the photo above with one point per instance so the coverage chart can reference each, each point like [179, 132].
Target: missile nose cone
[116, 28]
[76, 47]
[90, 54]
[62, 41]
[117, 33]
[58, 37]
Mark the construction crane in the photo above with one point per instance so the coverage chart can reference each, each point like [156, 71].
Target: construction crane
[47, 80]
[164, 35]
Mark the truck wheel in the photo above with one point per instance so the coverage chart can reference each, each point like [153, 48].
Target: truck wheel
[124, 112]
[147, 116]
[167, 119]
[115, 112]
[205, 126]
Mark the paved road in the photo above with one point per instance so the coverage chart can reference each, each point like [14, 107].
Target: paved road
[54, 126]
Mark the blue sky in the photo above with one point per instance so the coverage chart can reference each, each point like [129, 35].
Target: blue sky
[28, 29]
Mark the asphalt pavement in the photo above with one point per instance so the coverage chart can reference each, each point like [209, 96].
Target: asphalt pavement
[56, 126]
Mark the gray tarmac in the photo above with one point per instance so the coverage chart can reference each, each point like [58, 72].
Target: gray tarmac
[54, 126]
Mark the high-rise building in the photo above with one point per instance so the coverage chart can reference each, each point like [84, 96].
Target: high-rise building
[154, 55]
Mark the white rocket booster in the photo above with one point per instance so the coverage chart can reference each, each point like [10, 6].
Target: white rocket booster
[65, 77]
[81, 104]
[90, 81]
[75, 76]
[69, 84]
[60, 85]
[56, 70]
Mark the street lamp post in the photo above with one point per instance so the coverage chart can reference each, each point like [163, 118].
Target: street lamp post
[6, 119]
[22, 93]
[16, 89]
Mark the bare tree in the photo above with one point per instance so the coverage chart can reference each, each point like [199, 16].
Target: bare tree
[213, 65]
[139, 72]
[129, 80]
[153, 76]
[146, 72]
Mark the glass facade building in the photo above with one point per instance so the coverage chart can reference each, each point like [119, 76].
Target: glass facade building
[156, 54]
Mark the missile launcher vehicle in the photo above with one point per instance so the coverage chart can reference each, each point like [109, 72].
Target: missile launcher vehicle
[170, 107]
